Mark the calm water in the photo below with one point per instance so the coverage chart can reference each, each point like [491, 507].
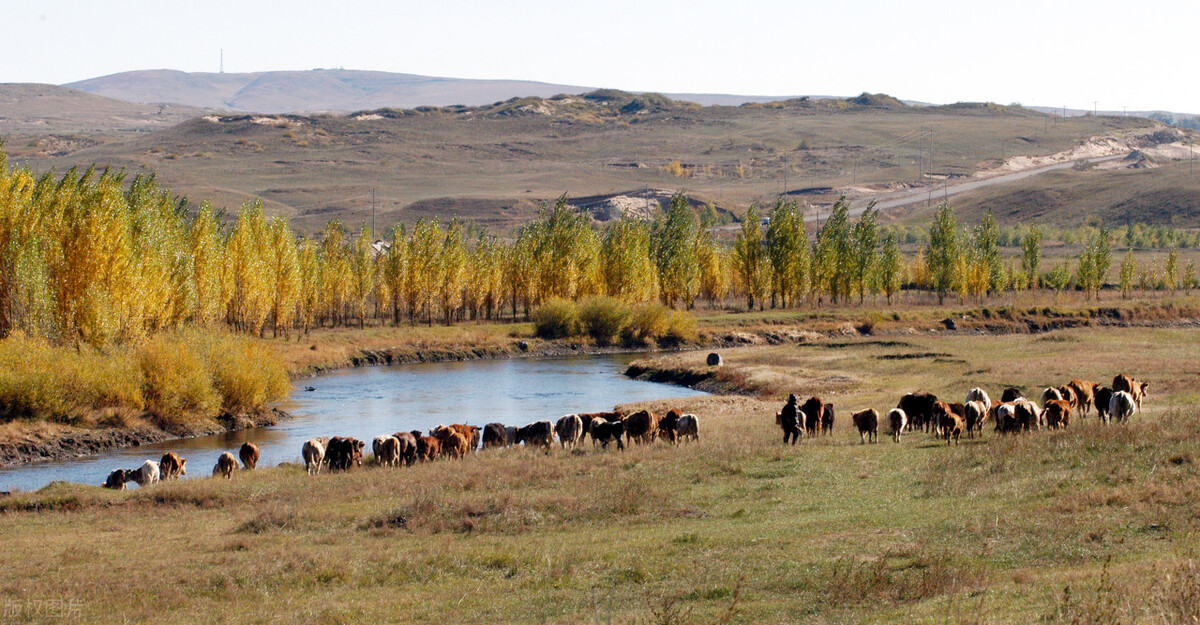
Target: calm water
[370, 401]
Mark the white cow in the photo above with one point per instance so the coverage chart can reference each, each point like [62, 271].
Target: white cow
[314, 455]
[897, 421]
[146, 474]
[1121, 406]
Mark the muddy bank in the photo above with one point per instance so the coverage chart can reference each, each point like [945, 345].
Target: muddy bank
[42, 441]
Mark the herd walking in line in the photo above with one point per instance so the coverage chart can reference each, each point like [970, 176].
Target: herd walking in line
[915, 412]
[1014, 413]
[455, 441]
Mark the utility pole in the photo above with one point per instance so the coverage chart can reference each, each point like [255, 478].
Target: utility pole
[1095, 108]
[222, 60]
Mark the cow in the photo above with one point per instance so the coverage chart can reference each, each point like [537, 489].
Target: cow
[827, 417]
[386, 450]
[510, 435]
[1028, 416]
[975, 415]
[688, 428]
[1051, 394]
[471, 432]
[428, 447]
[249, 454]
[1069, 396]
[313, 453]
[951, 426]
[1102, 399]
[1085, 392]
[569, 429]
[493, 436]
[605, 432]
[1058, 413]
[144, 475]
[897, 421]
[1005, 416]
[116, 480]
[812, 409]
[918, 407]
[668, 424]
[1011, 393]
[1121, 406]
[455, 445]
[226, 465]
[979, 395]
[408, 447]
[867, 422]
[538, 433]
[343, 453]
[641, 426]
[1136, 390]
[790, 420]
[172, 466]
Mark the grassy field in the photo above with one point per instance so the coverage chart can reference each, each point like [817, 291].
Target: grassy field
[737, 528]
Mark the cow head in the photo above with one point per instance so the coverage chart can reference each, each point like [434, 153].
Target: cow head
[183, 466]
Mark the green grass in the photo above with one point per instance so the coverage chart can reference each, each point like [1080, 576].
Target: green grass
[828, 532]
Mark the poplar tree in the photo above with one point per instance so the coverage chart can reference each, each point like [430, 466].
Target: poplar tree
[943, 254]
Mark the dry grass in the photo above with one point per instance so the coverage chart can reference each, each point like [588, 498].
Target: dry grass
[830, 531]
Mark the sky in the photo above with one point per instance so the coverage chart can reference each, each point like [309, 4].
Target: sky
[1079, 54]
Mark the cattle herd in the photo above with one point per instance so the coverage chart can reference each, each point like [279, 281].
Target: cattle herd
[1013, 414]
[341, 453]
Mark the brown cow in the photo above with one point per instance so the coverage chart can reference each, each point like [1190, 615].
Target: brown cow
[812, 410]
[641, 426]
[1085, 393]
[827, 419]
[1135, 389]
[116, 480]
[172, 466]
[249, 454]
[569, 429]
[343, 453]
[225, 467]
[867, 422]
[951, 426]
[941, 410]
[428, 447]
[386, 450]
[1069, 396]
[669, 424]
[455, 445]
[470, 431]
[408, 447]
[1058, 413]
[976, 413]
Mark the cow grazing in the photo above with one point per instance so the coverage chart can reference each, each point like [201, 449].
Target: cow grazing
[226, 465]
[790, 419]
[1011, 393]
[1058, 413]
[249, 454]
[386, 450]
[668, 425]
[343, 453]
[897, 421]
[867, 422]
[313, 453]
[1136, 390]
[979, 395]
[144, 475]
[1069, 396]
[172, 466]
[918, 407]
[539, 433]
[1085, 393]
[1102, 399]
[812, 409]
[116, 480]
[493, 436]
[428, 447]
[605, 432]
[1121, 406]
[641, 426]
[569, 429]
[975, 414]
[688, 427]
[827, 417]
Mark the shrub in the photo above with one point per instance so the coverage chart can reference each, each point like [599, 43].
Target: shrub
[557, 318]
[604, 318]
[681, 328]
[247, 375]
[178, 387]
[647, 322]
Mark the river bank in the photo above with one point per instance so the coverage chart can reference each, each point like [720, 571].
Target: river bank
[326, 350]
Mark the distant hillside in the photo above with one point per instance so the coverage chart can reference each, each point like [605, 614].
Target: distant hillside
[337, 90]
[31, 109]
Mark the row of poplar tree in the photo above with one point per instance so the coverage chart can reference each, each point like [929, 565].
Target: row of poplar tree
[100, 258]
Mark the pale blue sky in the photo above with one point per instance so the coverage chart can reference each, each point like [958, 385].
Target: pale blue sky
[1048, 52]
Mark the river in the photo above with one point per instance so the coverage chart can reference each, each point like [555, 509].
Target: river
[369, 401]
